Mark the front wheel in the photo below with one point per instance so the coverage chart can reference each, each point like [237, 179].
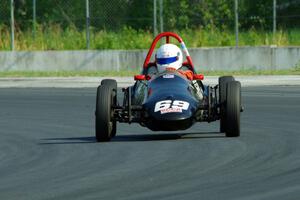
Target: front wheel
[222, 99]
[112, 83]
[105, 124]
[233, 109]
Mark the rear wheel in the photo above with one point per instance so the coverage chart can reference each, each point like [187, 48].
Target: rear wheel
[105, 124]
[233, 109]
[222, 98]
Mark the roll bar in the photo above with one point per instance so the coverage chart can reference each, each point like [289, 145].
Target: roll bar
[167, 35]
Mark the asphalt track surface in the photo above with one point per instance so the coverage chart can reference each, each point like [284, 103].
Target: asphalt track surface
[48, 151]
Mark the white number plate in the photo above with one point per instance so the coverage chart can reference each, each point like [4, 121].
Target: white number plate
[169, 106]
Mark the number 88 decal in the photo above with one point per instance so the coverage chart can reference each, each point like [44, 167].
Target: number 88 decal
[172, 105]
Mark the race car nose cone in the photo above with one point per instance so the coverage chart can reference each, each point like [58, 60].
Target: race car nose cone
[170, 97]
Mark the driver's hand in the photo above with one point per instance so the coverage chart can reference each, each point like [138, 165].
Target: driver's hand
[187, 73]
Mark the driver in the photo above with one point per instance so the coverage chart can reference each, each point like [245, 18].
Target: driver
[169, 58]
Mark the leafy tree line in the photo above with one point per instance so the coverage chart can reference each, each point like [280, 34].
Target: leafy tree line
[138, 14]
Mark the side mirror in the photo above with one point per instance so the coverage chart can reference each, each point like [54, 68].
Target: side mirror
[141, 77]
[198, 77]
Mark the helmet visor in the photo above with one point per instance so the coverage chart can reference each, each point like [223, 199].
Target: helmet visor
[169, 60]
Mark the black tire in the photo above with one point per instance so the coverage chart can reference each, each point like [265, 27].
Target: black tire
[233, 109]
[112, 83]
[222, 99]
[105, 125]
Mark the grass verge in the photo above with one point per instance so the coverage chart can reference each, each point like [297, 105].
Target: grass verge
[16, 74]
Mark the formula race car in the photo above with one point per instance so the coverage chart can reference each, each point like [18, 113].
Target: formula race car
[168, 100]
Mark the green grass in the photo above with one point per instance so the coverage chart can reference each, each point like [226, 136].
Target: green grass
[53, 37]
[16, 74]
[253, 72]
[67, 73]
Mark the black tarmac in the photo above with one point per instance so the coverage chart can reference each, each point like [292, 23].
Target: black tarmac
[48, 151]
